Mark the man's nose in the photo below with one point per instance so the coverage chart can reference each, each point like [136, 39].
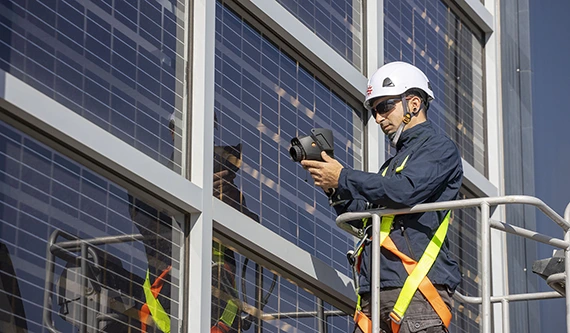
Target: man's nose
[379, 118]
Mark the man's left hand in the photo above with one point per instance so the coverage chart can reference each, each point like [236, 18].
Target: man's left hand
[325, 174]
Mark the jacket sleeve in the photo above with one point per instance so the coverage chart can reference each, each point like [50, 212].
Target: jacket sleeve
[426, 171]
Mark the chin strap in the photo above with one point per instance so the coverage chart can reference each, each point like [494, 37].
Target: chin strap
[407, 117]
[394, 138]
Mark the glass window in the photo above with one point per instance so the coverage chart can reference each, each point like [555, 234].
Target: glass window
[121, 66]
[77, 249]
[465, 244]
[337, 22]
[432, 37]
[247, 297]
[263, 99]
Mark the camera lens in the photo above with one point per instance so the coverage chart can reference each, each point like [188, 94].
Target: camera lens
[296, 153]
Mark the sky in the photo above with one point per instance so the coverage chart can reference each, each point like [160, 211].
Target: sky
[550, 61]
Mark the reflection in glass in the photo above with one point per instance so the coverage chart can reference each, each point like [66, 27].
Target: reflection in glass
[263, 98]
[226, 316]
[432, 37]
[119, 64]
[261, 301]
[338, 23]
[79, 251]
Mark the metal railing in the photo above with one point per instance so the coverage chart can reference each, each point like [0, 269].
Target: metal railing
[486, 224]
[88, 259]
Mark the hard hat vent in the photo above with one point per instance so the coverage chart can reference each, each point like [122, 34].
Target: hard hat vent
[387, 83]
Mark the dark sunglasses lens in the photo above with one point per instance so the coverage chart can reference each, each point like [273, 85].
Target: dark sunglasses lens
[384, 107]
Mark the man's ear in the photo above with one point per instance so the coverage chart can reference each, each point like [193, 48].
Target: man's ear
[415, 105]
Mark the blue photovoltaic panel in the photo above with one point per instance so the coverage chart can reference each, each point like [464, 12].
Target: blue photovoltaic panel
[43, 193]
[337, 22]
[263, 98]
[431, 36]
[119, 64]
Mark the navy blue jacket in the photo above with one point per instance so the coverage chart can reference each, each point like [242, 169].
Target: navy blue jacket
[432, 173]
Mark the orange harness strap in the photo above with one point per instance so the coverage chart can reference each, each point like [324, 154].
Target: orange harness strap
[363, 322]
[156, 287]
[426, 288]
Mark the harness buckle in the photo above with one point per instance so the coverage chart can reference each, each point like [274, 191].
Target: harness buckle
[395, 318]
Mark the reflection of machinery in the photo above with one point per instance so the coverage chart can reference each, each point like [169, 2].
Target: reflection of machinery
[261, 301]
[94, 292]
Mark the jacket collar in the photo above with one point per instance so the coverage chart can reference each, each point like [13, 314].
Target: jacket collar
[411, 134]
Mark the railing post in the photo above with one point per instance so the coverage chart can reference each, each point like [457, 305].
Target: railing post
[375, 291]
[321, 317]
[567, 268]
[506, 316]
[486, 268]
[567, 279]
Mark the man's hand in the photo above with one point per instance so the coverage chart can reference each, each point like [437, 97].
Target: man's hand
[325, 174]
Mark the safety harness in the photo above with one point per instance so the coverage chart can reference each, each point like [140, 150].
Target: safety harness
[417, 271]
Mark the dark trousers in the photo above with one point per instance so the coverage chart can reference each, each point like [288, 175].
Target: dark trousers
[420, 317]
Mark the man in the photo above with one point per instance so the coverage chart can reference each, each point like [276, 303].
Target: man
[426, 168]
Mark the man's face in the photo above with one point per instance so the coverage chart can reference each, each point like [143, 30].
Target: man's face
[390, 115]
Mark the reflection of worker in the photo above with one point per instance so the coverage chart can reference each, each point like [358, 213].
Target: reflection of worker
[157, 234]
[225, 299]
[156, 228]
[426, 168]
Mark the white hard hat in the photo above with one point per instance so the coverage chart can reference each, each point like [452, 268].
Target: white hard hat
[394, 79]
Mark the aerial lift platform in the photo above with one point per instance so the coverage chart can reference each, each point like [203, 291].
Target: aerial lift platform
[553, 269]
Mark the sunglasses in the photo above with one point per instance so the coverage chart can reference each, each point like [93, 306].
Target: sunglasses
[385, 106]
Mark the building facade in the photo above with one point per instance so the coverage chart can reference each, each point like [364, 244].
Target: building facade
[145, 177]
[519, 154]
